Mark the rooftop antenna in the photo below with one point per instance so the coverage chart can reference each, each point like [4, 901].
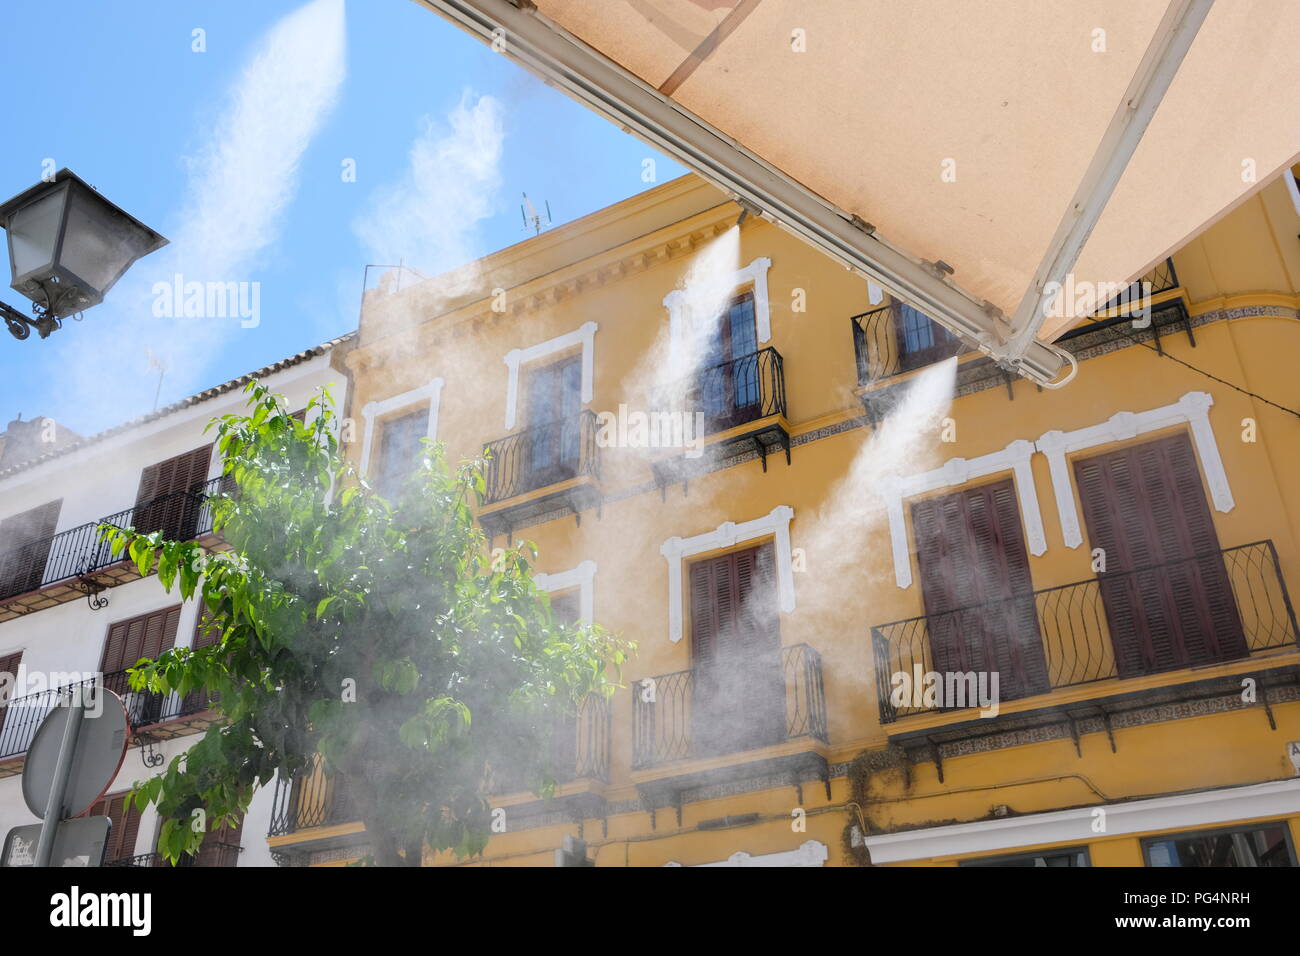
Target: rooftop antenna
[533, 218]
[161, 366]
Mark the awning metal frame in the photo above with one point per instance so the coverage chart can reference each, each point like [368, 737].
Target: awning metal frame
[1164, 55]
[516, 29]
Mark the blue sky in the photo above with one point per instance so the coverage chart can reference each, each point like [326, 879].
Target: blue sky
[237, 155]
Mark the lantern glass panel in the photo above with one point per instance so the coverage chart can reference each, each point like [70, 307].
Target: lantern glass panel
[34, 234]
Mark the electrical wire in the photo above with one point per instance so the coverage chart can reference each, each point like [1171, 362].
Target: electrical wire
[1222, 381]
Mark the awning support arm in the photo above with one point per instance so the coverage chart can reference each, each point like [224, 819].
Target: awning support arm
[517, 29]
[1164, 54]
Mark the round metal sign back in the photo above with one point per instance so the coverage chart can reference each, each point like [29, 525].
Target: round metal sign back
[98, 756]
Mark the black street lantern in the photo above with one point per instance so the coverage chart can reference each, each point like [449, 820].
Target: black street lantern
[68, 246]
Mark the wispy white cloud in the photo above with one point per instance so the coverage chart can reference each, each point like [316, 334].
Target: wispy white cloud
[241, 180]
[428, 219]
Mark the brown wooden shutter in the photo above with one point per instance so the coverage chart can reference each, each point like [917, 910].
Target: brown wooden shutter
[127, 642]
[167, 499]
[145, 636]
[704, 616]
[9, 664]
[220, 848]
[977, 590]
[204, 636]
[1169, 603]
[738, 699]
[120, 809]
[25, 541]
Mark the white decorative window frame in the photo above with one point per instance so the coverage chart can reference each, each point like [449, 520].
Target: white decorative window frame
[1192, 409]
[957, 471]
[376, 410]
[677, 302]
[584, 335]
[582, 577]
[776, 523]
[811, 853]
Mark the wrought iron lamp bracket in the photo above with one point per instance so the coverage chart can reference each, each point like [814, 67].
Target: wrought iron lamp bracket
[20, 326]
[148, 755]
[94, 592]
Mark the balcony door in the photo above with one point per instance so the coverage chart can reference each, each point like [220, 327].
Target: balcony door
[1168, 600]
[978, 596]
[729, 391]
[552, 439]
[739, 690]
[169, 497]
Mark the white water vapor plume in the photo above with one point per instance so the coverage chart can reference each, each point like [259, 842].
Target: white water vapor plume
[850, 528]
[683, 345]
[241, 180]
[428, 219]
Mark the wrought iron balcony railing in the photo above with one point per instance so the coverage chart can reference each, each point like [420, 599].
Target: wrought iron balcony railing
[540, 456]
[732, 393]
[310, 799]
[579, 751]
[714, 710]
[211, 854]
[21, 716]
[80, 551]
[897, 338]
[1162, 278]
[1070, 630]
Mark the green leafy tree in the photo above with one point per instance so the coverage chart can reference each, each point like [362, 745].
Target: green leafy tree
[383, 637]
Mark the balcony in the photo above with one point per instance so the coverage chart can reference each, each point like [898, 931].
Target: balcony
[315, 811]
[214, 854]
[547, 467]
[308, 801]
[579, 758]
[1160, 291]
[895, 339]
[77, 563]
[700, 727]
[743, 406]
[1064, 637]
[153, 717]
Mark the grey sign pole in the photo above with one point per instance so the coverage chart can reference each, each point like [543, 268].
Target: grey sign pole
[62, 774]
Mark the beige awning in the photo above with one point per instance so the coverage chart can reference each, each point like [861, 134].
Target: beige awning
[1006, 139]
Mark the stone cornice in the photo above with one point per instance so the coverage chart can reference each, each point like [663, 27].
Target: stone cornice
[674, 241]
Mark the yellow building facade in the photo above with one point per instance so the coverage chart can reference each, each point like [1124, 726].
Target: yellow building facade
[857, 532]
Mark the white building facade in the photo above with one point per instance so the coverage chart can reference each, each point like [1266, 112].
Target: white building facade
[69, 612]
